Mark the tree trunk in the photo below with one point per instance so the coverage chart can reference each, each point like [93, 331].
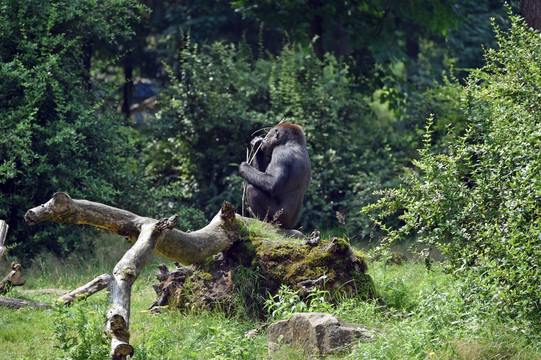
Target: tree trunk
[531, 11]
[3, 232]
[128, 85]
[316, 27]
[19, 303]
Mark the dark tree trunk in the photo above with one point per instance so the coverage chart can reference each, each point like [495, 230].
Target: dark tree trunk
[128, 85]
[316, 27]
[531, 11]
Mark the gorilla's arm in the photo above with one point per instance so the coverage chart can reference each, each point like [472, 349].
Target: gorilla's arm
[272, 180]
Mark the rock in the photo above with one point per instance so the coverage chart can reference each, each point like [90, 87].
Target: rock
[316, 333]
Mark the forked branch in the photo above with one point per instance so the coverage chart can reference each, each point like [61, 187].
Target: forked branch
[147, 236]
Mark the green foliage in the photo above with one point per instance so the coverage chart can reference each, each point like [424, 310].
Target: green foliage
[480, 202]
[78, 331]
[288, 301]
[222, 95]
[54, 137]
[250, 292]
[373, 31]
[284, 304]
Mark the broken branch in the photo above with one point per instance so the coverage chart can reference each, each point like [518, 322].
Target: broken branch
[98, 284]
[125, 273]
[176, 245]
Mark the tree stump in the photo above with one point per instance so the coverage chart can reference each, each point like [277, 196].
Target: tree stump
[252, 269]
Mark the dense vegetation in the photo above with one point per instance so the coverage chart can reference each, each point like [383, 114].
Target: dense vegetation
[57, 133]
[360, 77]
[480, 202]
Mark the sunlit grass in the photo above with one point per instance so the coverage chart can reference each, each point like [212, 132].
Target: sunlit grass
[419, 315]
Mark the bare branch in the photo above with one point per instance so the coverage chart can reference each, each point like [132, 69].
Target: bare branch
[176, 245]
[98, 284]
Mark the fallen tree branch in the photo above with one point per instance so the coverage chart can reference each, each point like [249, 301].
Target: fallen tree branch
[98, 284]
[176, 245]
[19, 303]
[125, 273]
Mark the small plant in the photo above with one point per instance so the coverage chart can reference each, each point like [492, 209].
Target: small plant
[284, 304]
[78, 331]
[288, 301]
[318, 301]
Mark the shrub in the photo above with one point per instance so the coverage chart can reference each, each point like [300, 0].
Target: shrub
[54, 137]
[480, 201]
[78, 331]
[223, 93]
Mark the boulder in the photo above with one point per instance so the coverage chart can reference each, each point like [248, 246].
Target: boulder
[316, 333]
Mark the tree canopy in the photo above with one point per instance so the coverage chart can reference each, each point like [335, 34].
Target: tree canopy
[57, 133]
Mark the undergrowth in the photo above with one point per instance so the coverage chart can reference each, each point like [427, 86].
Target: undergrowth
[420, 314]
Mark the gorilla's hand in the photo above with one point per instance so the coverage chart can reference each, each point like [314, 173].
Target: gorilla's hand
[256, 141]
[242, 169]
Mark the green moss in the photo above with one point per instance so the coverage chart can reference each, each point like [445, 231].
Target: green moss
[286, 262]
[205, 276]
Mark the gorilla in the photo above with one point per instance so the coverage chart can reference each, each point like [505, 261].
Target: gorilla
[275, 191]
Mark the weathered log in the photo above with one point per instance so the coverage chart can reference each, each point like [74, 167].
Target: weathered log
[14, 278]
[98, 284]
[250, 270]
[147, 236]
[19, 303]
[3, 232]
[176, 245]
[125, 273]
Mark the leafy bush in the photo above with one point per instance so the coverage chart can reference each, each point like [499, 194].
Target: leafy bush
[78, 331]
[54, 137]
[480, 202]
[288, 301]
[220, 96]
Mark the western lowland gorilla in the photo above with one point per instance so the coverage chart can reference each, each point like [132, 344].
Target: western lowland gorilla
[275, 191]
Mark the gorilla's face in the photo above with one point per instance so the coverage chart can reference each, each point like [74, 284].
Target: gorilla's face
[275, 137]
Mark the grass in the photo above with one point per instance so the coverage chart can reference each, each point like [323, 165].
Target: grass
[421, 315]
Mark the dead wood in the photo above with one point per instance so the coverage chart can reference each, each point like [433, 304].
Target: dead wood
[3, 232]
[14, 278]
[176, 245]
[147, 236]
[19, 303]
[125, 273]
[250, 270]
[98, 284]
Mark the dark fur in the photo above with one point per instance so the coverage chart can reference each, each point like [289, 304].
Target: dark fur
[278, 189]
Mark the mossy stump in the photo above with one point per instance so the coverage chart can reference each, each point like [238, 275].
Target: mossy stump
[251, 269]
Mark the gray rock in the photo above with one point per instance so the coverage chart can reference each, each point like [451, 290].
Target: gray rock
[316, 333]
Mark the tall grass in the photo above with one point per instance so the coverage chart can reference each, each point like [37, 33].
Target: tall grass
[420, 315]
